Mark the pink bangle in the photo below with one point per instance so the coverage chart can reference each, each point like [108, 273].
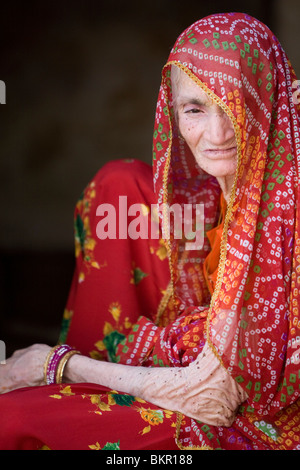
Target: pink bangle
[53, 361]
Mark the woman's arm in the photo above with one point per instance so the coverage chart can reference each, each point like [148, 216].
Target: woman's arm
[203, 390]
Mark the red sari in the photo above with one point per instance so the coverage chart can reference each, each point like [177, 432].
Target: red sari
[147, 302]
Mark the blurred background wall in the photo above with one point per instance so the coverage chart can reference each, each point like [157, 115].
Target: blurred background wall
[82, 79]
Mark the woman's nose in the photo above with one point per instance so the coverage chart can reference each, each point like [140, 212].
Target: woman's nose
[219, 128]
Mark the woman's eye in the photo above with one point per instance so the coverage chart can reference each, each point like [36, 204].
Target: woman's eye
[193, 111]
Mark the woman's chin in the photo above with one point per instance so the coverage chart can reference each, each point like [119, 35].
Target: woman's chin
[219, 168]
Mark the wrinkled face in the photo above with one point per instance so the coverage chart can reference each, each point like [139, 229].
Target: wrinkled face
[206, 128]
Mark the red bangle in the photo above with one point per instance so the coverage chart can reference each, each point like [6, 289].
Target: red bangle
[55, 362]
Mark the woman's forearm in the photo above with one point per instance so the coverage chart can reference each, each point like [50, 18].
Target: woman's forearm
[114, 376]
[203, 390]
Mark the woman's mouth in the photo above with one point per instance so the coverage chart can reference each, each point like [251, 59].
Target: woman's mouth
[220, 153]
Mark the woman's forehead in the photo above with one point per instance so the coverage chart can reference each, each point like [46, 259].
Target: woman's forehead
[185, 88]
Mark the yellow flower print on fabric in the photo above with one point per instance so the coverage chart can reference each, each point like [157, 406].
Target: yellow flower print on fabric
[105, 401]
[84, 242]
[64, 392]
[107, 446]
[113, 333]
[67, 317]
[115, 310]
[153, 417]
[161, 251]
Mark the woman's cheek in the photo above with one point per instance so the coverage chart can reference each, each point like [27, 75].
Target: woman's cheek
[188, 130]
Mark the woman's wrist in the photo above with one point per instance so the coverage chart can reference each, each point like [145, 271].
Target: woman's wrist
[71, 372]
[56, 362]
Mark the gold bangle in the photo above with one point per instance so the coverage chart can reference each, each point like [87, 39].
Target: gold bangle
[62, 364]
[52, 350]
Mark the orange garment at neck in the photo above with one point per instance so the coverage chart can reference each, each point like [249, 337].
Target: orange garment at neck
[210, 267]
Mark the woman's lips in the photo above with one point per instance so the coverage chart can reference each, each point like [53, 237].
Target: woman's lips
[216, 154]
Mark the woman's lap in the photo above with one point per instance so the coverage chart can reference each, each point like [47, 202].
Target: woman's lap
[82, 417]
[115, 282]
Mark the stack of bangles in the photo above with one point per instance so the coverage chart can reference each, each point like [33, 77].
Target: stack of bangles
[56, 362]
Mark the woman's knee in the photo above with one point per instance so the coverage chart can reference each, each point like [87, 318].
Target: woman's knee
[131, 178]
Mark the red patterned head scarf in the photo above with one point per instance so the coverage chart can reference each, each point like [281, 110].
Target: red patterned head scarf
[253, 316]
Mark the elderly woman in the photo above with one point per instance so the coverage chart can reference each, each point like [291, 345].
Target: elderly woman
[186, 348]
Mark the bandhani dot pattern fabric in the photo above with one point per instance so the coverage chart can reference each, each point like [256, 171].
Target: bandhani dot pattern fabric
[253, 318]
